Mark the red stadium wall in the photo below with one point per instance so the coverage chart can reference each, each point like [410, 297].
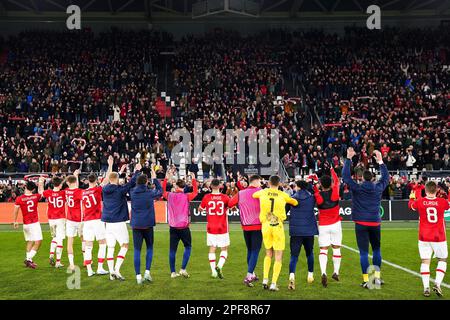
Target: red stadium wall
[6, 212]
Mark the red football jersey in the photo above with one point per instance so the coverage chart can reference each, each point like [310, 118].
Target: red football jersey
[73, 200]
[56, 208]
[92, 203]
[216, 206]
[431, 218]
[29, 207]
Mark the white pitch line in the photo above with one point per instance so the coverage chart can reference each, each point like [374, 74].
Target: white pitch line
[397, 266]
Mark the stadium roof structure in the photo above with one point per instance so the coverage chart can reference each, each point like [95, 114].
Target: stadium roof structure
[148, 9]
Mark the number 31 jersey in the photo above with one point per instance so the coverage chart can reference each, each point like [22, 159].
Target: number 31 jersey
[92, 203]
[216, 206]
[431, 218]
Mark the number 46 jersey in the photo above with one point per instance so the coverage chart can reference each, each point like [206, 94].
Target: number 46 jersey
[216, 206]
[92, 203]
[431, 218]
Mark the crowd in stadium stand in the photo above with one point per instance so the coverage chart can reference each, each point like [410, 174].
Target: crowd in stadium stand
[71, 99]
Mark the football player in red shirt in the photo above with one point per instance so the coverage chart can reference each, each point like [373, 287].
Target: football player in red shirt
[56, 212]
[216, 206]
[93, 227]
[432, 237]
[74, 218]
[330, 229]
[28, 203]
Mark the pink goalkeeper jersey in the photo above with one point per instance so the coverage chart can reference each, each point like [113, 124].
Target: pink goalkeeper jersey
[249, 209]
[178, 209]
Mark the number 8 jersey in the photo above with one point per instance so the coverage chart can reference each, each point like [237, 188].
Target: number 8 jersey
[216, 206]
[431, 218]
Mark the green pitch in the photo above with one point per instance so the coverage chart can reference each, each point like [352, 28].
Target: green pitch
[399, 246]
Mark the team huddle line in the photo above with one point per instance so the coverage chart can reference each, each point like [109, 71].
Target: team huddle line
[100, 213]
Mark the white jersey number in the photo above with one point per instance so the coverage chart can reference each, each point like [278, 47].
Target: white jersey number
[432, 215]
[56, 202]
[70, 201]
[30, 205]
[212, 205]
[87, 201]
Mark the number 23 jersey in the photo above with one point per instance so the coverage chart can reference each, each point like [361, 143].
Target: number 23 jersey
[431, 218]
[216, 206]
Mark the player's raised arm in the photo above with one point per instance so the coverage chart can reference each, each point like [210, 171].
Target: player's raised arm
[412, 203]
[346, 174]
[384, 180]
[157, 193]
[130, 184]
[335, 185]
[317, 195]
[76, 173]
[234, 201]
[108, 172]
[194, 192]
[41, 185]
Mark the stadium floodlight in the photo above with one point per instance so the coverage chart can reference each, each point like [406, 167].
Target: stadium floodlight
[237, 7]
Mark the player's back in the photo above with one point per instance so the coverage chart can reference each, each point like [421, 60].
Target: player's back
[92, 203]
[56, 208]
[431, 218]
[216, 206]
[73, 200]
[29, 207]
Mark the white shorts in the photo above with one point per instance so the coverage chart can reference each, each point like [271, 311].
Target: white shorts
[73, 229]
[94, 230]
[116, 231]
[330, 235]
[426, 249]
[218, 240]
[32, 231]
[57, 228]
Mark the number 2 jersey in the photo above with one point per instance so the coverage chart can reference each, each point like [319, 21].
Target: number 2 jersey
[29, 206]
[92, 204]
[216, 206]
[56, 208]
[431, 218]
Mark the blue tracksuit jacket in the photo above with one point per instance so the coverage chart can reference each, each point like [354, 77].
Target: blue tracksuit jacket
[302, 221]
[115, 205]
[366, 197]
[142, 205]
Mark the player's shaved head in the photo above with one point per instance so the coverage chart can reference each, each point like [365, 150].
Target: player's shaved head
[71, 179]
[30, 186]
[114, 177]
[215, 183]
[142, 179]
[274, 181]
[367, 175]
[57, 181]
[301, 184]
[325, 181]
[254, 177]
[431, 187]
[92, 178]
[181, 183]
